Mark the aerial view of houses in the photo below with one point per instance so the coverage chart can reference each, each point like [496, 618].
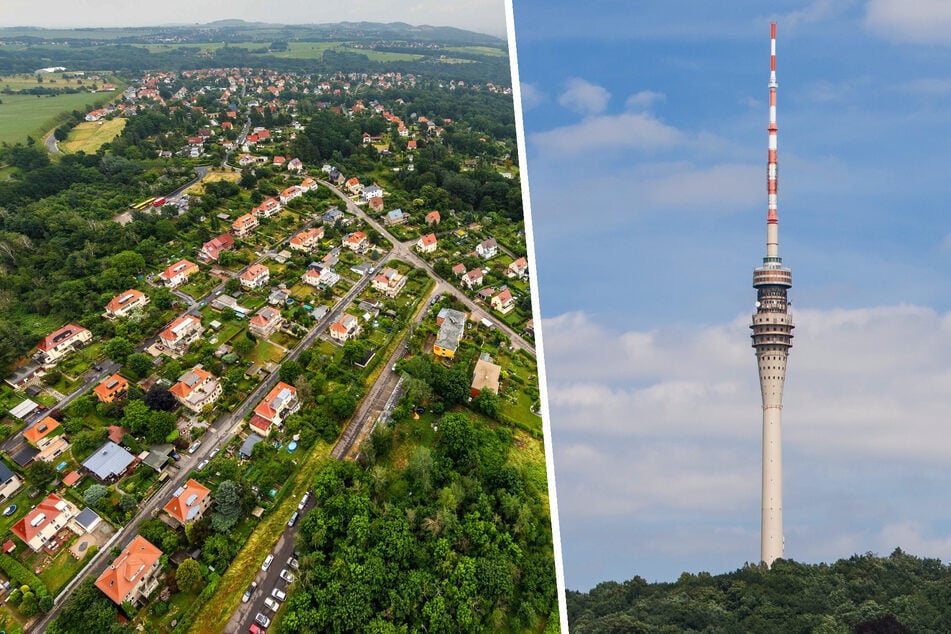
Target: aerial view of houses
[290, 286]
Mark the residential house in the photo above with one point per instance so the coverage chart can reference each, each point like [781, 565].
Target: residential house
[267, 208]
[181, 332]
[518, 268]
[395, 217]
[488, 248]
[265, 322]
[389, 281]
[427, 243]
[472, 279]
[60, 343]
[213, 248]
[503, 302]
[110, 463]
[459, 269]
[256, 276]
[178, 273]
[244, 226]
[372, 191]
[348, 327]
[188, 503]
[353, 186]
[485, 377]
[295, 165]
[356, 241]
[47, 437]
[10, 483]
[318, 275]
[111, 388]
[134, 574]
[126, 303]
[38, 528]
[432, 218]
[307, 239]
[376, 204]
[308, 184]
[450, 333]
[278, 161]
[197, 388]
[290, 194]
[280, 403]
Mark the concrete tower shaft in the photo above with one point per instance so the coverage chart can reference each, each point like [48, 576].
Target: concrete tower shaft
[772, 338]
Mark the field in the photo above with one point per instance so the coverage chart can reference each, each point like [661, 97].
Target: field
[89, 136]
[212, 176]
[477, 50]
[22, 115]
[26, 81]
[315, 50]
[163, 48]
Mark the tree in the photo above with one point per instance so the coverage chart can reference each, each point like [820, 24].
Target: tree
[488, 403]
[159, 398]
[161, 425]
[139, 364]
[227, 506]
[243, 346]
[127, 503]
[342, 403]
[94, 493]
[355, 350]
[40, 474]
[289, 371]
[118, 349]
[188, 576]
[136, 417]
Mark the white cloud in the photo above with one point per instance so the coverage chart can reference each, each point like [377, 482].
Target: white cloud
[910, 537]
[644, 99]
[584, 97]
[531, 95]
[629, 130]
[922, 21]
[815, 11]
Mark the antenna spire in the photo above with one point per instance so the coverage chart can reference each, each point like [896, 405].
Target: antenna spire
[772, 215]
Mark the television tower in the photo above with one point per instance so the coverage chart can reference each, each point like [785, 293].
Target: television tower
[772, 339]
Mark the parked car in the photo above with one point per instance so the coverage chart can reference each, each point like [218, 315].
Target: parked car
[194, 447]
[262, 620]
[292, 562]
[280, 595]
[254, 629]
[249, 592]
[202, 465]
[287, 575]
[267, 562]
[293, 519]
[272, 604]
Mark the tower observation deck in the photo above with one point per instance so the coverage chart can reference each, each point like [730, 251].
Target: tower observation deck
[772, 338]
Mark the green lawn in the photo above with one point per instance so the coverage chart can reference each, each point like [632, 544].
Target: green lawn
[22, 115]
[63, 568]
[477, 50]
[266, 351]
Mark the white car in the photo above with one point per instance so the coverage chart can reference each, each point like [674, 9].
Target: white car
[262, 620]
[272, 604]
[267, 564]
[280, 595]
[202, 465]
[287, 575]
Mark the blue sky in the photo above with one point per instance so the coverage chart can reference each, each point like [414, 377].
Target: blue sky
[646, 142]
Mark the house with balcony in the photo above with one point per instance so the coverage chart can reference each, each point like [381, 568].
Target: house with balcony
[197, 388]
[60, 343]
[38, 528]
[290, 194]
[503, 301]
[345, 329]
[487, 248]
[265, 322]
[307, 240]
[266, 209]
[389, 281]
[181, 333]
[134, 574]
[244, 226]
[256, 276]
[213, 248]
[188, 503]
[48, 439]
[111, 388]
[125, 304]
[357, 242]
[280, 403]
[518, 268]
[177, 274]
[472, 279]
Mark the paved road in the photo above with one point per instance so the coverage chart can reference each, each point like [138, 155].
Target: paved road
[404, 251]
[283, 549]
[51, 145]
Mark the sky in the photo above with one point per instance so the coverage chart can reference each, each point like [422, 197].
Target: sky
[482, 16]
[646, 145]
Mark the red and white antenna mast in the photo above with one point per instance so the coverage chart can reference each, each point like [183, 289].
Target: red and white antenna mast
[772, 217]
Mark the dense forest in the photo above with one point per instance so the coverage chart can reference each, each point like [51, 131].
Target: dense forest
[452, 538]
[865, 593]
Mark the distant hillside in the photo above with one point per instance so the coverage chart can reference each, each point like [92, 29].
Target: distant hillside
[899, 593]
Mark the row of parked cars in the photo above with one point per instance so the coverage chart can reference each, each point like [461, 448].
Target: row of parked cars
[274, 601]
